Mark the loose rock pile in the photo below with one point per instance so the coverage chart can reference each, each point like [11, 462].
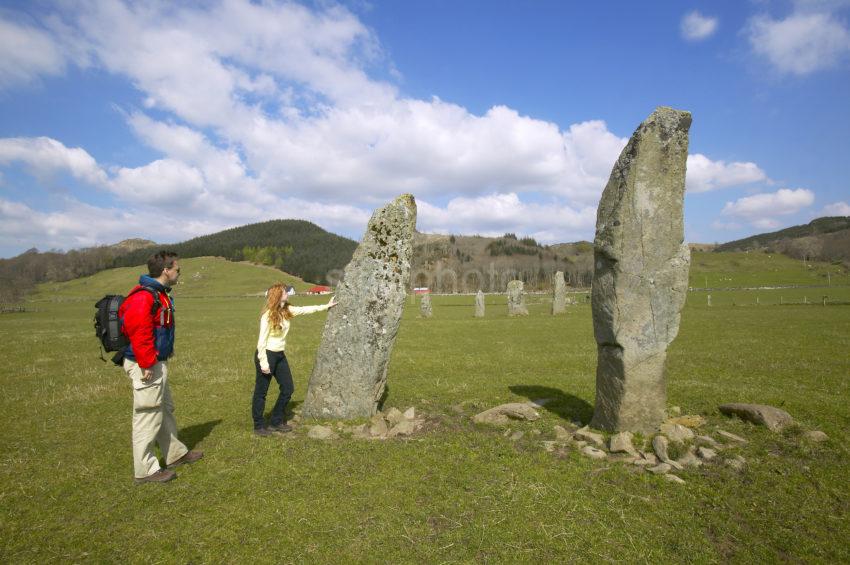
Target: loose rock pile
[676, 447]
[390, 424]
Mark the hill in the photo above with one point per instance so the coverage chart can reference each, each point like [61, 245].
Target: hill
[749, 269]
[467, 263]
[200, 277]
[300, 247]
[20, 274]
[823, 239]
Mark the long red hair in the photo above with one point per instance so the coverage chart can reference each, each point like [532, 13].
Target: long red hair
[277, 312]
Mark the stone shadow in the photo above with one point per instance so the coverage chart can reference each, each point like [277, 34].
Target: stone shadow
[560, 403]
[193, 435]
[288, 413]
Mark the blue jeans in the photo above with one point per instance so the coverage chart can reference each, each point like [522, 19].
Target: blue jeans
[279, 368]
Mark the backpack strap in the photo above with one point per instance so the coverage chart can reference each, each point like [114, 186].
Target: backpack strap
[154, 292]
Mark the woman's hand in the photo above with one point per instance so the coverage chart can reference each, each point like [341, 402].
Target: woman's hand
[332, 302]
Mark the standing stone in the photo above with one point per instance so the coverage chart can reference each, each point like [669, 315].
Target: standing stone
[479, 305]
[559, 294]
[350, 373]
[640, 275]
[709, 300]
[516, 299]
[425, 306]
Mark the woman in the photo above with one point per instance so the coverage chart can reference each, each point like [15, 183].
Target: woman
[270, 358]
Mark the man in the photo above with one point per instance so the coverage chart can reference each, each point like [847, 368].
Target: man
[148, 323]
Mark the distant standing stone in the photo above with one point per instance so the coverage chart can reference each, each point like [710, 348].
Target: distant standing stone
[479, 305]
[350, 373]
[559, 294]
[640, 276]
[516, 299]
[425, 306]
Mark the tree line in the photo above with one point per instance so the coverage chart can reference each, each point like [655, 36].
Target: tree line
[301, 248]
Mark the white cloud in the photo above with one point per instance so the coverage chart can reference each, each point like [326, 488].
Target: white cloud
[696, 27]
[26, 53]
[77, 225]
[704, 174]
[161, 182]
[45, 156]
[725, 226]
[802, 43]
[761, 210]
[836, 209]
[497, 213]
[267, 110]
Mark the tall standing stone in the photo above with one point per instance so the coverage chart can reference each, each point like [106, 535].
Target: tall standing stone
[516, 299]
[425, 309]
[350, 373]
[559, 294]
[640, 276]
[479, 304]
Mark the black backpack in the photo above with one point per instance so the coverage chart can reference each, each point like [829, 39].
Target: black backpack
[107, 324]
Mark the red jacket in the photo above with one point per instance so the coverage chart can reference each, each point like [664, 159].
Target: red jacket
[151, 335]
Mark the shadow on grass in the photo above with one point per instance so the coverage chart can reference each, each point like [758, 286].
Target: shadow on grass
[288, 412]
[560, 403]
[193, 435]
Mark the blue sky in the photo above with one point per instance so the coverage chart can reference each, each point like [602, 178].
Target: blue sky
[171, 120]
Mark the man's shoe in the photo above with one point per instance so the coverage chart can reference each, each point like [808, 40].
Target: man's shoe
[190, 457]
[281, 428]
[262, 432]
[161, 476]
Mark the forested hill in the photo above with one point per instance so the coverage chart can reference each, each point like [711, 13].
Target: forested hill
[825, 239]
[296, 246]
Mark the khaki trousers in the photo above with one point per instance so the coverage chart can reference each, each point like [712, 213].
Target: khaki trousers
[153, 420]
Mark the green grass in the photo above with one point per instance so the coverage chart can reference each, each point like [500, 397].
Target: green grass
[459, 493]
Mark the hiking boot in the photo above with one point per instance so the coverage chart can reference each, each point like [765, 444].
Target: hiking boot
[161, 476]
[262, 432]
[190, 457]
[281, 428]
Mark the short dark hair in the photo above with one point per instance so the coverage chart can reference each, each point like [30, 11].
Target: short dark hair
[158, 262]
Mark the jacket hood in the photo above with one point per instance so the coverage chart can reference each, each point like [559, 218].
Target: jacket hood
[147, 280]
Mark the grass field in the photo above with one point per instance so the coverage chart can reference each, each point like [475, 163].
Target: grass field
[458, 493]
